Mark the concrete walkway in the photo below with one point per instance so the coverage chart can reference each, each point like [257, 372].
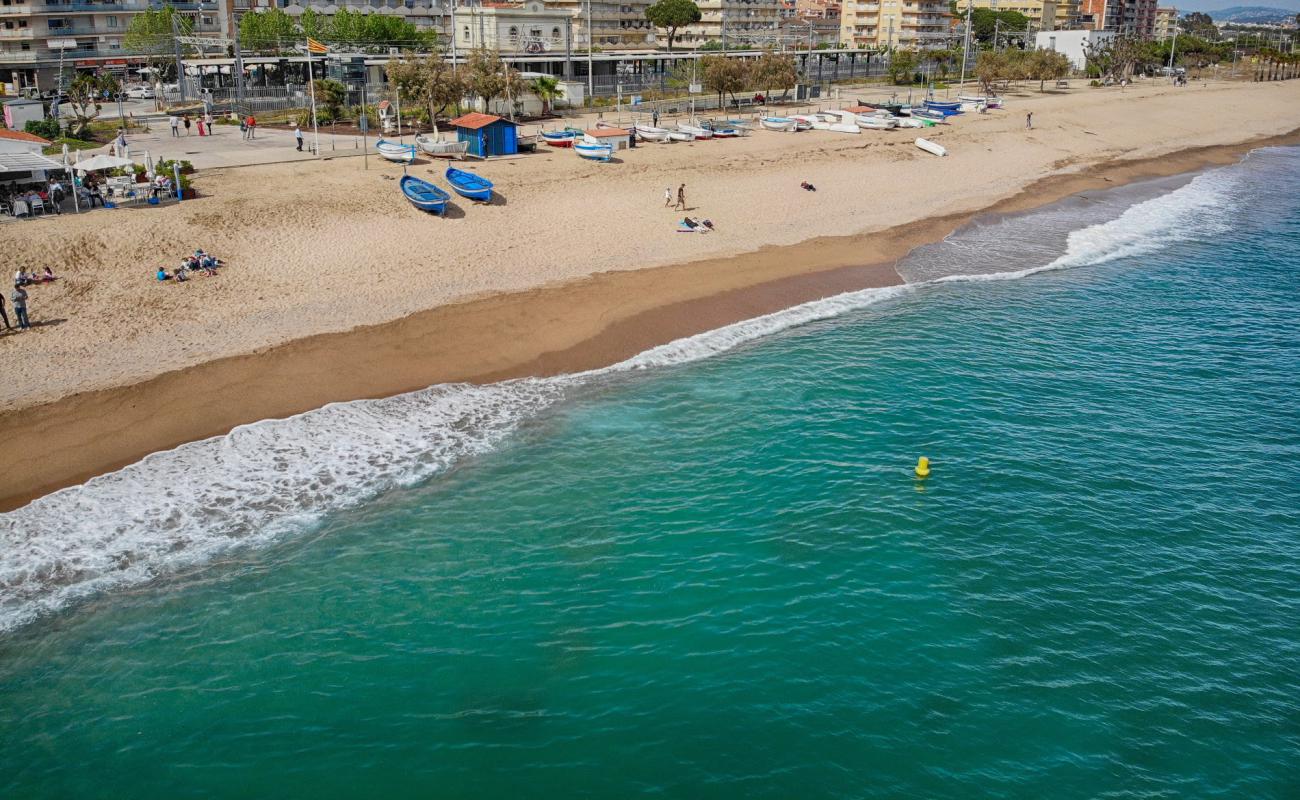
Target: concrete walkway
[228, 148]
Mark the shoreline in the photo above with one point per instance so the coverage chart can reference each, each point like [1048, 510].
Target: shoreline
[563, 327]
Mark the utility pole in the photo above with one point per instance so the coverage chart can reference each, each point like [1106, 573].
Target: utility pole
[568, 48]
[997, 27]
[1172, 47]
[591, 43]
[965, 50]
[239, 72]
[180, 67]
[453, 36]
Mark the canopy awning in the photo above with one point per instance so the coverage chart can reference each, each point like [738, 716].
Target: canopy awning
[27, 162]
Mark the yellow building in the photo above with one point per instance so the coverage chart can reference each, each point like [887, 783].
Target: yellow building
[906, 24]
[1042, 14]
[1166, 21]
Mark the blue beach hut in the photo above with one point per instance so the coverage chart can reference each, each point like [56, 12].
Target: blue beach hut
[487, 134]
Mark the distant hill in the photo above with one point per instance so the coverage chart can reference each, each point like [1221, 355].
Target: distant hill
[1260, 15]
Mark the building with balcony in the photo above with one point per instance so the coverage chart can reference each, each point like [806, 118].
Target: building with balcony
[892, 24]
[1166, 23]
[818, 9]
[737, 23]
[1125, 17]
[43, 39]
[1042, 14]
[614, 26]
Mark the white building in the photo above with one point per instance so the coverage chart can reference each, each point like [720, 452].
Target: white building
[529, 28]
[1073, 45]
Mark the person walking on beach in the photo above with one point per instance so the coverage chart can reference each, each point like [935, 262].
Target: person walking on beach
[1029, 120]
[186, 122]
[297, 136]
[654, 118]
[3, 315]
[176, 125]
[20, 307]
[207, 122]
[252, 127]
[668, 196]
[681, 198]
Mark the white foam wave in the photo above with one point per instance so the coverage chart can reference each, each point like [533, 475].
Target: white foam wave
[183, 507]
[1200, 208]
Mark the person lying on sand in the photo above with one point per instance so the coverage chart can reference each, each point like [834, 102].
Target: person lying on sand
[48, 276]
[808, 187]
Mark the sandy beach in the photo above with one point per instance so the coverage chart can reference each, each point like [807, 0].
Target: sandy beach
[337, 289]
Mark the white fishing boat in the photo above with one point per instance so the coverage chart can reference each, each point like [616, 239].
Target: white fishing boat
[695, 130]
[840, 121]
[593, 150]
[816, 122]
[648, 133]
[779, 123]
[931, 147]
[976, 100]
[878, 121]
[435, 146]
[393, 151]
[680, 136]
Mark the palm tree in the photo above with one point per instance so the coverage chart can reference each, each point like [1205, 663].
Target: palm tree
[547, 89]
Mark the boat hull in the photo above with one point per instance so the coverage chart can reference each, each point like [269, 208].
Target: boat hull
[651, 134]
[931, 147]
[468, 185]
[398, 153]
[778, 123]
[696, 131]
[594, 152]
[559, 138]
[424, 195]
[438, 149]
[680, 136]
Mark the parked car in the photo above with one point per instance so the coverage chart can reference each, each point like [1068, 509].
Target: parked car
[140, 93]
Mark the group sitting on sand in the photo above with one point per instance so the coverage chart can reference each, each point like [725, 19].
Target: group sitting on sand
[199, 262]
[25, 278]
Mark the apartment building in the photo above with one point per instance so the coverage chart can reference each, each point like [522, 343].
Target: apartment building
[883, 24]
[40, 38]
[1166, 22]
[1126, 17]
[614, 26]
[818, 9]
[1042, 14]
[740, 22]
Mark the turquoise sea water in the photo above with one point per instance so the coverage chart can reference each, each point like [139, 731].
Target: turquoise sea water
[717, 577]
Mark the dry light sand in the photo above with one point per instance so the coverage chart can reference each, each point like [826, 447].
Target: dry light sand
[325, 247]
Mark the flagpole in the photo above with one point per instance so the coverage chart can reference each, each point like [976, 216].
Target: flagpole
[311, 86]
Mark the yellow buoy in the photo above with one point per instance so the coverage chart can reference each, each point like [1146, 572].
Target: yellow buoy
[922, 467]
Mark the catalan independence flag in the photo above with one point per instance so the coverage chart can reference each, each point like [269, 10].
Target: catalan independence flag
[314, 46]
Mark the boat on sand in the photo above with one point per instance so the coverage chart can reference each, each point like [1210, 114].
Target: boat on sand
[469, 186]
[424, 195]
[438, 148]
[394, 151]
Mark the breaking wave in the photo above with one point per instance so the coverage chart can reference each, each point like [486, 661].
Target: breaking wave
[183, 507]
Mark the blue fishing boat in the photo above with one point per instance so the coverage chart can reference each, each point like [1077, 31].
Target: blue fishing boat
[469, 186]
[564, 138]
[424, 195]
[943, 107]
[928, 115]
